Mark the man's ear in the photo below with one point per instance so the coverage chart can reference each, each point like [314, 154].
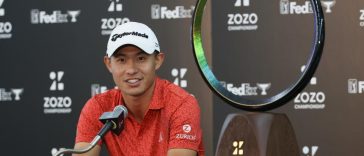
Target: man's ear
[159, 58]
[107, 62]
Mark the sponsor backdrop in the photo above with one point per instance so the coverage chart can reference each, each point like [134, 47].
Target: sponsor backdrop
[51, 63]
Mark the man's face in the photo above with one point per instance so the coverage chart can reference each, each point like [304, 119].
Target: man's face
[134, 70]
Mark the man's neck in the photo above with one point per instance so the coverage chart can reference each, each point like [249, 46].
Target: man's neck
[138, 105]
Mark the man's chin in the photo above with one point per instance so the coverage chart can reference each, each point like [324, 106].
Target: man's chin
[132, 93]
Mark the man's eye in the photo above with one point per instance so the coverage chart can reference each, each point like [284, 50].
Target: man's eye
[121, 60]
[141, 58]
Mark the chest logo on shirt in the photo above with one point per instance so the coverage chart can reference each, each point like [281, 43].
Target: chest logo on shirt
[186, 128]
[160, 137]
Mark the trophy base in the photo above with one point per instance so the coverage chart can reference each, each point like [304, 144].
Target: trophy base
[257, 134]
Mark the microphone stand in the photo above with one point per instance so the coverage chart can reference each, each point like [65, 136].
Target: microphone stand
[108, 125]
[112, 121]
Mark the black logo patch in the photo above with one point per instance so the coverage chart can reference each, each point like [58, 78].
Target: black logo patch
[116, 36]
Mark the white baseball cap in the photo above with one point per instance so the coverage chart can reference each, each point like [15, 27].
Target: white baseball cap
[134, 33]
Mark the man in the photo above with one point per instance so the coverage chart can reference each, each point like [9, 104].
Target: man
[163, 119]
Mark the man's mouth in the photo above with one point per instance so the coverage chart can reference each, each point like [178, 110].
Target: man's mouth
[132, 81]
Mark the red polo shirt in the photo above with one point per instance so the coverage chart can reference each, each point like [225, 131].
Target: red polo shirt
[172, 121]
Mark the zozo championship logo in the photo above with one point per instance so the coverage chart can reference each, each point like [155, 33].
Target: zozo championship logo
[242, 21]
[57, 104]
[115, 7]
[179, 77]
[310, 100]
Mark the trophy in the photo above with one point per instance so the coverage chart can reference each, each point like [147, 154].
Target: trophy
[259, 132]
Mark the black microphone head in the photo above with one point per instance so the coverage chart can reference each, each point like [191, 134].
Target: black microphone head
[120, 108]
[117, 117]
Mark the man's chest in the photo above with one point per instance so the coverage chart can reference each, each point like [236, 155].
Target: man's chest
[150, 137]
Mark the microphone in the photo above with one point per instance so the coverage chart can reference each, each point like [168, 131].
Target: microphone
[112, 120]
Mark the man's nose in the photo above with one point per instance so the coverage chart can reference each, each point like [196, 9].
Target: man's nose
[131, 67]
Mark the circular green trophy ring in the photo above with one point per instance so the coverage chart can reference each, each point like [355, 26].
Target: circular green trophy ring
[267, 103]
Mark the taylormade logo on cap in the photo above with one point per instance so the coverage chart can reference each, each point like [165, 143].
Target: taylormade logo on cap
[116, 36]
[133, 33]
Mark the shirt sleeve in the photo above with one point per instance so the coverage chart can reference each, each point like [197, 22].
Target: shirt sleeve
[185, 130]
[88, 124]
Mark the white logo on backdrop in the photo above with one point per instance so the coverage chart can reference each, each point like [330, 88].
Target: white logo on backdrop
[2, 10]
[5, 30]
[328, 4]
[263, 87]
[284, 6]
[56, 17]
[73, 15]
[97, 89]
[179, 75]
[313, 80]
[5, 27]
[163, 12]
[12, 95]
[287, 7]
[246, 89]
[242, 21]
[238, 3]
[309, 151]
[361, 18]
[310, 100]
[115, 5]
[57, 104]
[355, 86]
[109, 23]
[56, 77]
